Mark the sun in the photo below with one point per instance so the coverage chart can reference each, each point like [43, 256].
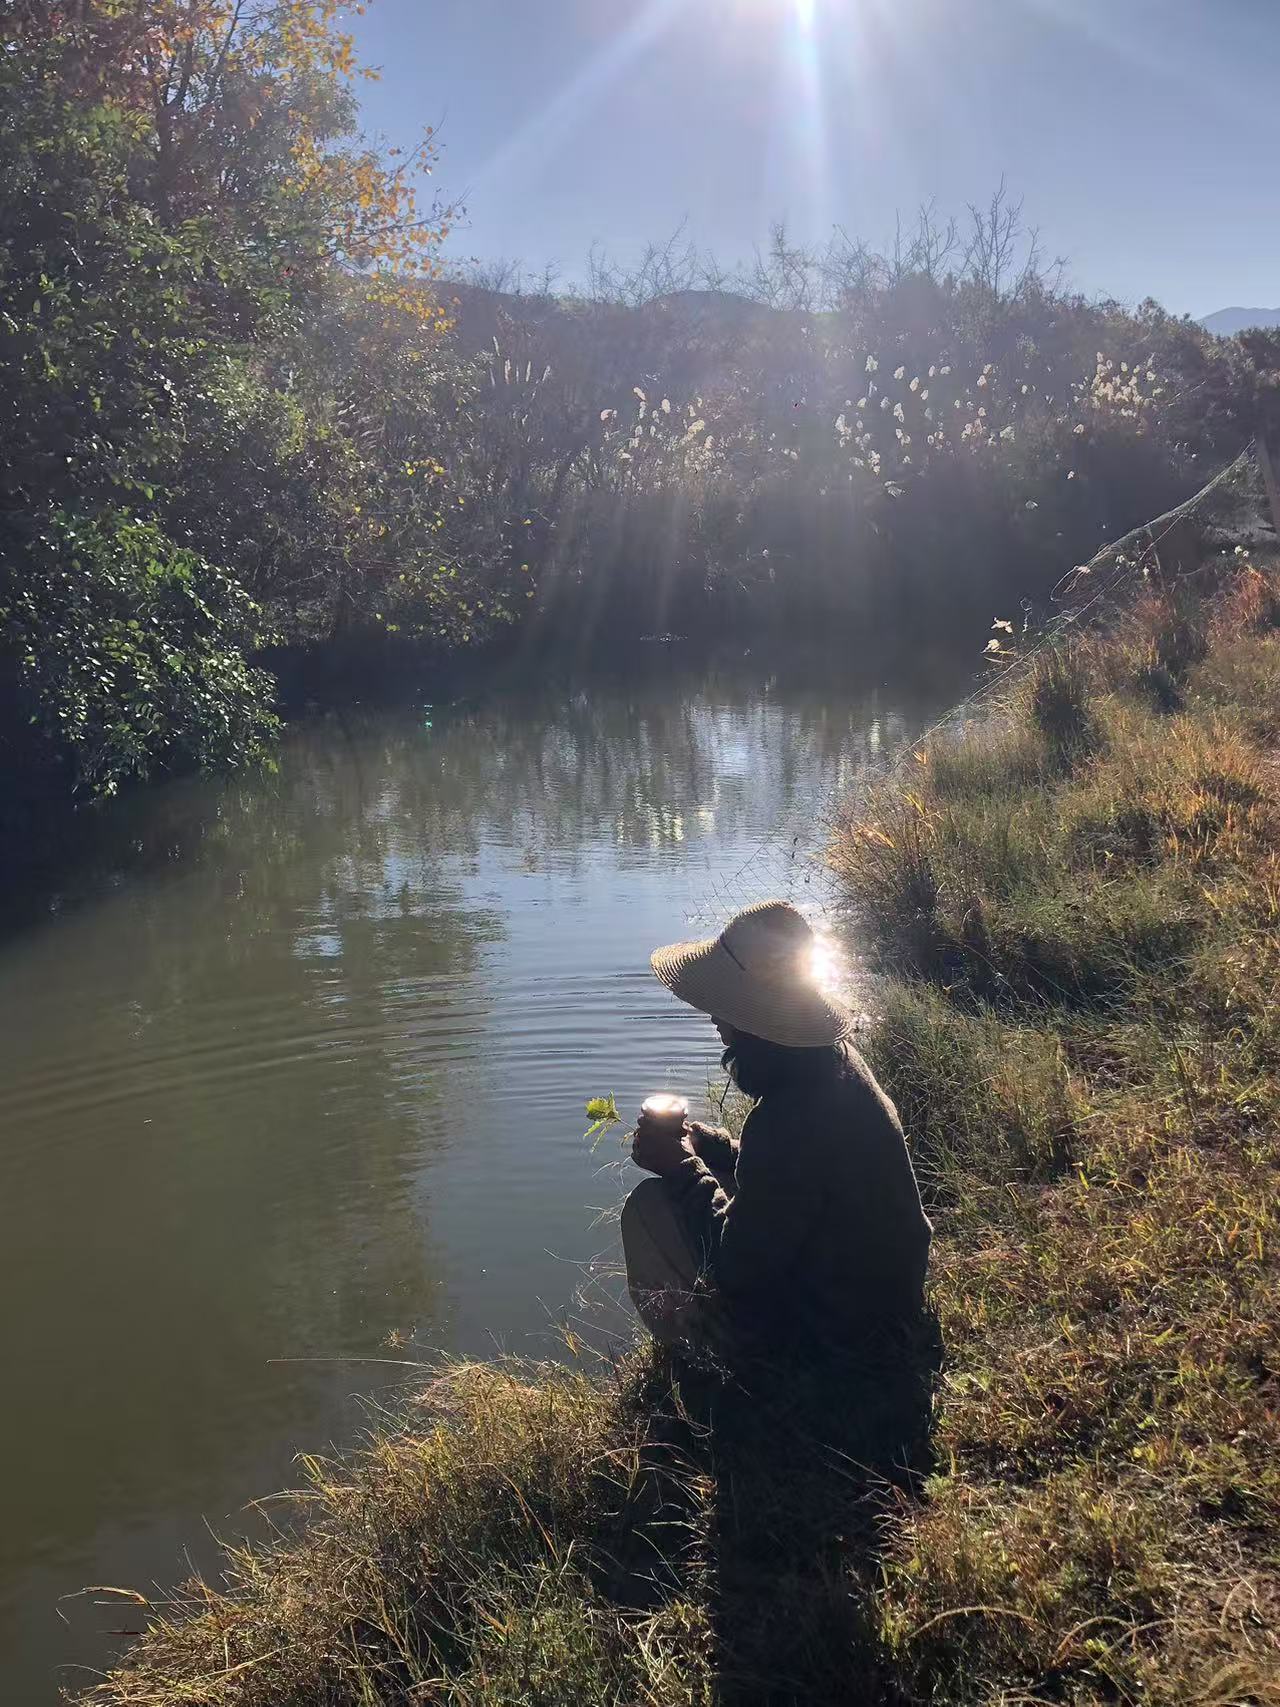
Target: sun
[801, 15]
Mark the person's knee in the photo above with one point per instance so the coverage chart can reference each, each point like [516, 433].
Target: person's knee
[643, 1203]
[658, 1250]
[661, 1272]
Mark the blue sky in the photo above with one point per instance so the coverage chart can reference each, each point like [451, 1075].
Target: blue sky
[1142, 134]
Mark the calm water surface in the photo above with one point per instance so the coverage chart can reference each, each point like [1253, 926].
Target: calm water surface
[292, 1064]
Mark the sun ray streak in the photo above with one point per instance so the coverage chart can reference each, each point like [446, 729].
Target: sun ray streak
[809, 118]
[540, 134]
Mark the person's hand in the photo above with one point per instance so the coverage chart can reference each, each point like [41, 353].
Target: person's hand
[659, 1145]
[696, 1131]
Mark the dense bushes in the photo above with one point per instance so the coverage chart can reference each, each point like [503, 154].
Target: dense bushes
[878, 445]
[134, 650]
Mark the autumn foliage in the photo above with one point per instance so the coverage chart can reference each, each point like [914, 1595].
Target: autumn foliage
[218, 94]
[222, 361]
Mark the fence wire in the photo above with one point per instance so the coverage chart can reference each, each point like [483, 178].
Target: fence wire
[790, 862]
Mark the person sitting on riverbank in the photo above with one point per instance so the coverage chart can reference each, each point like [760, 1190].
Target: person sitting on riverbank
[809, 1231]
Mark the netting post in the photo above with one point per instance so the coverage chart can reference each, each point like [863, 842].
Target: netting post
[1269, 481]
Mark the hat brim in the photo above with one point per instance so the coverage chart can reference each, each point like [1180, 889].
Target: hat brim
[781, 1010]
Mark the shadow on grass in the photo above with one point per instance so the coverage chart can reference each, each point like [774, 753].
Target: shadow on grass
[767, 1494]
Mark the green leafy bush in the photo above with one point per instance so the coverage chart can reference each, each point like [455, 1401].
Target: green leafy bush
[132, 651]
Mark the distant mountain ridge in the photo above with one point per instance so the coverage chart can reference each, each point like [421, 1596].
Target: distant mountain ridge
[1228, 321]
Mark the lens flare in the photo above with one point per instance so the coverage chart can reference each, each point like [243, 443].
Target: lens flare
[827, 966]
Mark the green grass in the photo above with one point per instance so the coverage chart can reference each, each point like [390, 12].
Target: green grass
[1076, 907]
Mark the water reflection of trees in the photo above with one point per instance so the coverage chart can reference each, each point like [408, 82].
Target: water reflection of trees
[538, 759]
[635, 760]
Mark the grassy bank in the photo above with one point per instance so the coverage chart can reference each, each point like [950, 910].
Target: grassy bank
[1087, 894]
[1077, 904]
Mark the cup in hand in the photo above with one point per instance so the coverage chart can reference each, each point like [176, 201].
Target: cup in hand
[658, 1142]
[665, 1110]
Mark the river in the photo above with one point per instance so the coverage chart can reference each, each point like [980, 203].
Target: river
[292, 1077]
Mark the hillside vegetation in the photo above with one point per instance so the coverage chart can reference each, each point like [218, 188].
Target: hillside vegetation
[1075, 902]
[248, 416]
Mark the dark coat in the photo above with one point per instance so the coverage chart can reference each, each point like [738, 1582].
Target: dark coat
[812, 1224]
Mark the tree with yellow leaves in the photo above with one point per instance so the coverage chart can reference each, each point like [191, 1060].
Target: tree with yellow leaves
[238, 104]
[212, 285]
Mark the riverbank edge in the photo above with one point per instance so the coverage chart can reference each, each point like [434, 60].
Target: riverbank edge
[1077, 903]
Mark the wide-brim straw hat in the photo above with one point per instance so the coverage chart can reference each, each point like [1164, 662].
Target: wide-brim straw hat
[758, 976]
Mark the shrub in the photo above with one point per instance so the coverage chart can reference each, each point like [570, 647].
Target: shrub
[130, 652]
[889, 869]
[1169, 633]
